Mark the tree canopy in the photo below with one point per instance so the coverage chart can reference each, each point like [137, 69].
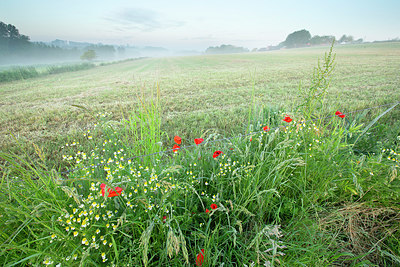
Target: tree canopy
[11, 39]
[297, 39]
[89, 55]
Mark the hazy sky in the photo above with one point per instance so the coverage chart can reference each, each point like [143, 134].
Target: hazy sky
[186, 24]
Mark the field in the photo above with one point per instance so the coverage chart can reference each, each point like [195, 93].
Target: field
[294, 191]
[198, 93]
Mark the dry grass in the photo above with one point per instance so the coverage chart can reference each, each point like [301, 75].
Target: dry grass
[363, 229]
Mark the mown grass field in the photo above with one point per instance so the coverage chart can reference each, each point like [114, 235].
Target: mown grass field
[198, 93]
[306, 185]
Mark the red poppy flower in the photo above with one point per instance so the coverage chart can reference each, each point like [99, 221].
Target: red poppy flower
[214, 206]
[217, 153]
[266, 128]
[164, 219]
[207, 210]
[287, 119]
[178, 140]
[111, 192]
[175, 148]
[251, 139]
[340, 114]
[198, 141]
[200, 258]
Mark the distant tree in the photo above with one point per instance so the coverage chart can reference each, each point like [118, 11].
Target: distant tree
[322, 40]
[89, 55]
[346, 39]
[225, 49]
[102, 51]
[10, 38]
[297, 39]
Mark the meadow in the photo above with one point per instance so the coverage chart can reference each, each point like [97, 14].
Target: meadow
[198, 93]
[301, 187]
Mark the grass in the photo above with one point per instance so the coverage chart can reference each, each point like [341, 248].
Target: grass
[23, 73]
[197, 93]
[304, 193]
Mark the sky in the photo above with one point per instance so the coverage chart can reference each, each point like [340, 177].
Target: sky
[196, 25]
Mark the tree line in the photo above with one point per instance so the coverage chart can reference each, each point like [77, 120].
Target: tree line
[17, 48]
[303, 38]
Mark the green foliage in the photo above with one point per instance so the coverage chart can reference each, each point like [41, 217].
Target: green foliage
[322, 40]
[297, 39]
[102, 51]
[68, 68]
[11, 40]
[296, 195]
[313, 97]
[346, 39]
[19, 73]
[22, 73]
[89, 55]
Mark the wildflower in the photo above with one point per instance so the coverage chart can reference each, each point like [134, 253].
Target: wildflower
[200, 258]
[340, 114]
[198, 141]
[47, 261]
[214, 206]
[75, 233]
[287, 119]
[217, 153]
[175, 148]
[164, 218]
[266, 128]
[207, 210]
[105, 242]
[178, 140]
[97, 231]
[111, 192]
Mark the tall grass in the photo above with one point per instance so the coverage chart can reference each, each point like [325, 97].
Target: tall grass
[19, 73]
[69, 68]
[22, 73]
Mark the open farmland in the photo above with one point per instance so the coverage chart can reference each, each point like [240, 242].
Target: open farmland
[198, 93]
[293, 192]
